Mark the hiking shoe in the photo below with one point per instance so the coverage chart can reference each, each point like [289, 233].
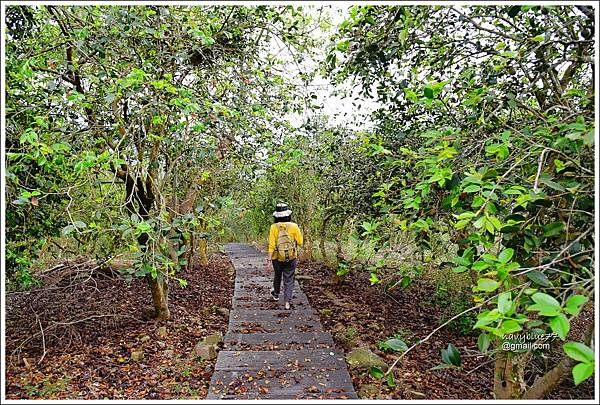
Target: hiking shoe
[275, 296]
[288, 306]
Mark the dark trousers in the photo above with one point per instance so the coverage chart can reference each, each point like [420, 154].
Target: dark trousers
[285, 271]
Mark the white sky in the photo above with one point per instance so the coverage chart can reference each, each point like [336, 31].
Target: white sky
[339, 109]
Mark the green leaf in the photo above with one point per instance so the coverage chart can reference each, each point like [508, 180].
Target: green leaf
[483, 342]
[480, 265]
[141, 272]
[396, 345]
[441, 366]
[582, 372]
[509, 54]
[68, 229]
[545, 304]
[553, 229]
[506, 255]
[494, 221]
[461, 261]
[538, 278]
[479, 223]
[486, 318]
[459, 269]
[579, 352]
[390, 380]
[487, 284]
[514, 10]
[376, 372]
[79, 224]
[478, 201]
[471, 188]
[462, 223]
[465, 215]
[451, 355]
[548, 180]
[560, 325]
[405, 282]
[574, 304]
[538, 38]
[489, 226]
[504, 302]
[428, 92]
[510, 326]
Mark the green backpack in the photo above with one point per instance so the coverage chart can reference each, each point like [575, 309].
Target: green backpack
[286, 248]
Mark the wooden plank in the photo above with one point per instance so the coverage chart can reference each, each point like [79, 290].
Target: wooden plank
[268, 304]
[280, 384]
[249, 276]
[252, 276]
[270, 326]
[265, 301]
[263, 294]
[279, 396]
[258, 281]
[278, 341]
[287, 360]
[239, 315]
[253, 273]
[263, 290]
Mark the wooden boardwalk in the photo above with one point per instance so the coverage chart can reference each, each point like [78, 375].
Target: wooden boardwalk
[271, 353]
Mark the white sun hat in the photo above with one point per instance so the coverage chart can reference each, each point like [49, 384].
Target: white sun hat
[281, 211]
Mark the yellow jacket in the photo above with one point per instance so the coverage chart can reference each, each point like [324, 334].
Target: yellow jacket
[294, 232]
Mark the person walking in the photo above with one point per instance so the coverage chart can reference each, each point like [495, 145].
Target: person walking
[284, 239]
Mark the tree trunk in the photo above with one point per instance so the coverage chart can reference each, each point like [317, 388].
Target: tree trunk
[307, 254]
[203, 251]
[509, 373]
[139, 197]
[322, 247]
[338, 242]
[160, 296]
[190, 253]
[545, 384]
[323, 234]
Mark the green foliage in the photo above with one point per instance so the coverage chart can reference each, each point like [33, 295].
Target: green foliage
[128, 127]
[585, 358]
[452, 296]
[504, 159]
[392, 344]
[450, 358]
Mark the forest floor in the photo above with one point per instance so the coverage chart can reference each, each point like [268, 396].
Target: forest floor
[101, 322]
[358, 314]
[91, 329]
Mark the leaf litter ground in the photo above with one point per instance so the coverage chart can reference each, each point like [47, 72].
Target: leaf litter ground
[92, 328]
[376, 316]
